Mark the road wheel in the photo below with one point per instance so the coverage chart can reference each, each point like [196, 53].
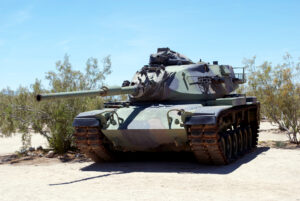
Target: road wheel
[234, 144]
[223, 145]
[245, 139]
[240, 139]
[228, 142]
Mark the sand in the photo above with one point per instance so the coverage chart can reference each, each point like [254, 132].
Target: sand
[12, 144]
[265, 174]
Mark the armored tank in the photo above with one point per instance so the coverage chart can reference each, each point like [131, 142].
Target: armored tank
[174, 105]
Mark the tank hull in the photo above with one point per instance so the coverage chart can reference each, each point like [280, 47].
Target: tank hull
[204, 129]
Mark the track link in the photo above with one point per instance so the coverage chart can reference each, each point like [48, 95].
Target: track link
[90, 141]
[224, 142]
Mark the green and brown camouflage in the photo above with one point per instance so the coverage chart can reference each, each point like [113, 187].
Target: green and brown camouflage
[159, 83]
[167, 99]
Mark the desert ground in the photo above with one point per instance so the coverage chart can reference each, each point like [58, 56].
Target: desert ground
[269, 173]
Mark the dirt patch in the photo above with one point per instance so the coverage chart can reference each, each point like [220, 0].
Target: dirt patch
[279, 144]
[40, 157]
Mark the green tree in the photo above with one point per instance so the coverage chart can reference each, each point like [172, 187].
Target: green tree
[277, 89]
[14, 113]
[53, 119]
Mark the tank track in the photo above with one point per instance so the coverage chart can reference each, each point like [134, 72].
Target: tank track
[235, 134]
[91, 142]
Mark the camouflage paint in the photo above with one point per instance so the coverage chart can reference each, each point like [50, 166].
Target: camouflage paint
[146, 128]
[165, 83]
[184, 83]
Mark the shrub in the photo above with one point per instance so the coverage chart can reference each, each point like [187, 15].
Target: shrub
[52, 119]
[277, 88]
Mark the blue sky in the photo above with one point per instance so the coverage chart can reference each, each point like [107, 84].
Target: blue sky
[36, 34]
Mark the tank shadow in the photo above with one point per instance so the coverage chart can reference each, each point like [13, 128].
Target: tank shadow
[85, 179]
[181, 163]
[169, 162]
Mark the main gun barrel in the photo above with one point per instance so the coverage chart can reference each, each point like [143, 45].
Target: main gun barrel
[104, 91]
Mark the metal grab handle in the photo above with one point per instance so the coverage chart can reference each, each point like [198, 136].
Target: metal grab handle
[170, 119]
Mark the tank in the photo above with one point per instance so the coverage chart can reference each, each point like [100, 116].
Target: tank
[174, 105]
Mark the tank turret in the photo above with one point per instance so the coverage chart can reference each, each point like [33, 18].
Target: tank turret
[170, 76]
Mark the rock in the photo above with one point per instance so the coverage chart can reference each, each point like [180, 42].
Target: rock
[31, 154]
[39, 148]
[50, 154]
[23, 151]
[78, 155]
[5, 160]
[8, 158]
[64, 158]
[31, 149]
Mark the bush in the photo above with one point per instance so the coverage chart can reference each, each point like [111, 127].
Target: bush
[278, 90]
[52, 119]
